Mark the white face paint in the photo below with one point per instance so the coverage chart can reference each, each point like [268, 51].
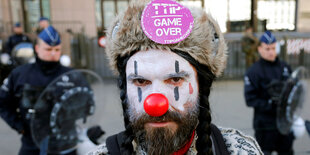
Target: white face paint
[156, 71]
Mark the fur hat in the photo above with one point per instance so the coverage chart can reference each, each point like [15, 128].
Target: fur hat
[205, 43]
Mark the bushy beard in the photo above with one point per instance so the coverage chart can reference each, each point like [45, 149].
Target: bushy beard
[163, 140]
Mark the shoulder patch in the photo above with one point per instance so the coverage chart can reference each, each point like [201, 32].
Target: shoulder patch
[247, 80]
[239, 143]
[285, 72]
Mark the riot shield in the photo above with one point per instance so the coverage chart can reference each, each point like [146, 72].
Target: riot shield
[291, 100]
[66, 107]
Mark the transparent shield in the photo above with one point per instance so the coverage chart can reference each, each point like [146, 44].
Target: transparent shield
[67, 105]
[292, 99]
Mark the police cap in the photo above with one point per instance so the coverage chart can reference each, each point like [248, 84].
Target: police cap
[50, 36]
[17, 24]
[43, 19]
[268, 38]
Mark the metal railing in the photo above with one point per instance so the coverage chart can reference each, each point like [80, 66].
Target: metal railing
[86, 53]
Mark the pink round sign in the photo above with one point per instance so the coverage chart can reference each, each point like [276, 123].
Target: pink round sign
[166, 21]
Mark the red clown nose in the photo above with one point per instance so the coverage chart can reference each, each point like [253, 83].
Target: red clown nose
[156, 105]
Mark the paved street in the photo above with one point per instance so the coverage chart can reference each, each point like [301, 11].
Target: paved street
[227, 105]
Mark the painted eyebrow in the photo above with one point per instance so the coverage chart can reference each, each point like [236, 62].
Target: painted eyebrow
[182, 74]
[134, 76]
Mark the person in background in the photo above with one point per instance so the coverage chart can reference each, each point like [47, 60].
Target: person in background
[249, 46]
[43, 23]
[257, 81]
[16, 38]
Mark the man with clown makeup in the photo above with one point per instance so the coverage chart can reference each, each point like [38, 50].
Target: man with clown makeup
[165, 73]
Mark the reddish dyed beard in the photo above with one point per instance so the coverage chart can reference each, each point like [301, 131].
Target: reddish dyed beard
[164, 140]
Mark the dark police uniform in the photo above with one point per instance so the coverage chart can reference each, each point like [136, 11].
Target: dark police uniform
[14, 40]
[13, 91]
[256, 81]
[259, 92]
[39, 74]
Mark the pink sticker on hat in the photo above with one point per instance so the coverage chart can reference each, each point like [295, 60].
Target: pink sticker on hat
[166, 21]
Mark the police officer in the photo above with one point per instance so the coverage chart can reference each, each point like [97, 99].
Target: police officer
[256, 84]
[16, 38]
[43, 23]
[39, 74]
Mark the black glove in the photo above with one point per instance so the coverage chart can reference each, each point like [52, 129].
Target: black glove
[274, 89]
[94, 133]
